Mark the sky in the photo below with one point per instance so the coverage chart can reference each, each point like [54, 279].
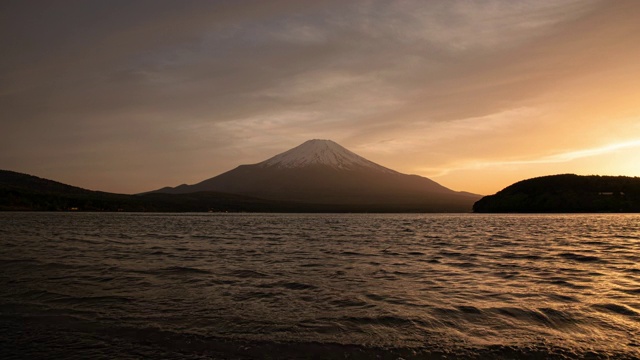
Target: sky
[130, 96]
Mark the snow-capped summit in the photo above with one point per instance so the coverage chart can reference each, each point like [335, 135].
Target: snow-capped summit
[321, 152]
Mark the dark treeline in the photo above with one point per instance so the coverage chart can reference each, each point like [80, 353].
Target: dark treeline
[566, 193]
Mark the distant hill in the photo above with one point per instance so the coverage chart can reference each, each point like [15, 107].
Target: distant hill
[565, 193]
[325, 173]
[22, 192]
[26, 192]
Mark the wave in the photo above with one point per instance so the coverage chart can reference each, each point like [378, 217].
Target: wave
[248, 274]
[581, 258]
[634, 291]
[178, 270]
[616, 309]
[290, 285]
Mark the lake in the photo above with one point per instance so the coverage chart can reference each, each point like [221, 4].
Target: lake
[244, 286]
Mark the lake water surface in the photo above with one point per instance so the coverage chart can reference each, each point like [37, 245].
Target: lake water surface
[242, 286]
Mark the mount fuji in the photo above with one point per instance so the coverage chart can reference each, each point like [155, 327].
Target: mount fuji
[323, 172]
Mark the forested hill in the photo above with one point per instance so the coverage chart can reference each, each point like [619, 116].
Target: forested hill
[565, 193]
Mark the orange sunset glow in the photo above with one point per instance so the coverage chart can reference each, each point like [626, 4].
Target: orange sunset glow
[474, 95]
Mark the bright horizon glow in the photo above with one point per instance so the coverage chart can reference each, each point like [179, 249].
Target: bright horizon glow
[556, 158]
[127, 98]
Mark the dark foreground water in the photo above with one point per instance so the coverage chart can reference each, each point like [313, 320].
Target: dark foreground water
[82, 285]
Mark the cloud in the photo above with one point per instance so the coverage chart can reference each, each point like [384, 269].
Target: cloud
[563, 157]
[184, 83]
[582, 153]
[465, 25]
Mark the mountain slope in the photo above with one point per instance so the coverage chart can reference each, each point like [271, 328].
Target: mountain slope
[323, 172]
[565, 193]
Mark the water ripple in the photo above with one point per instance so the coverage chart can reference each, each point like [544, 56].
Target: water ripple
[356, 286]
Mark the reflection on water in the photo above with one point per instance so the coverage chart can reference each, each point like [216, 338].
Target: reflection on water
[246, 285]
